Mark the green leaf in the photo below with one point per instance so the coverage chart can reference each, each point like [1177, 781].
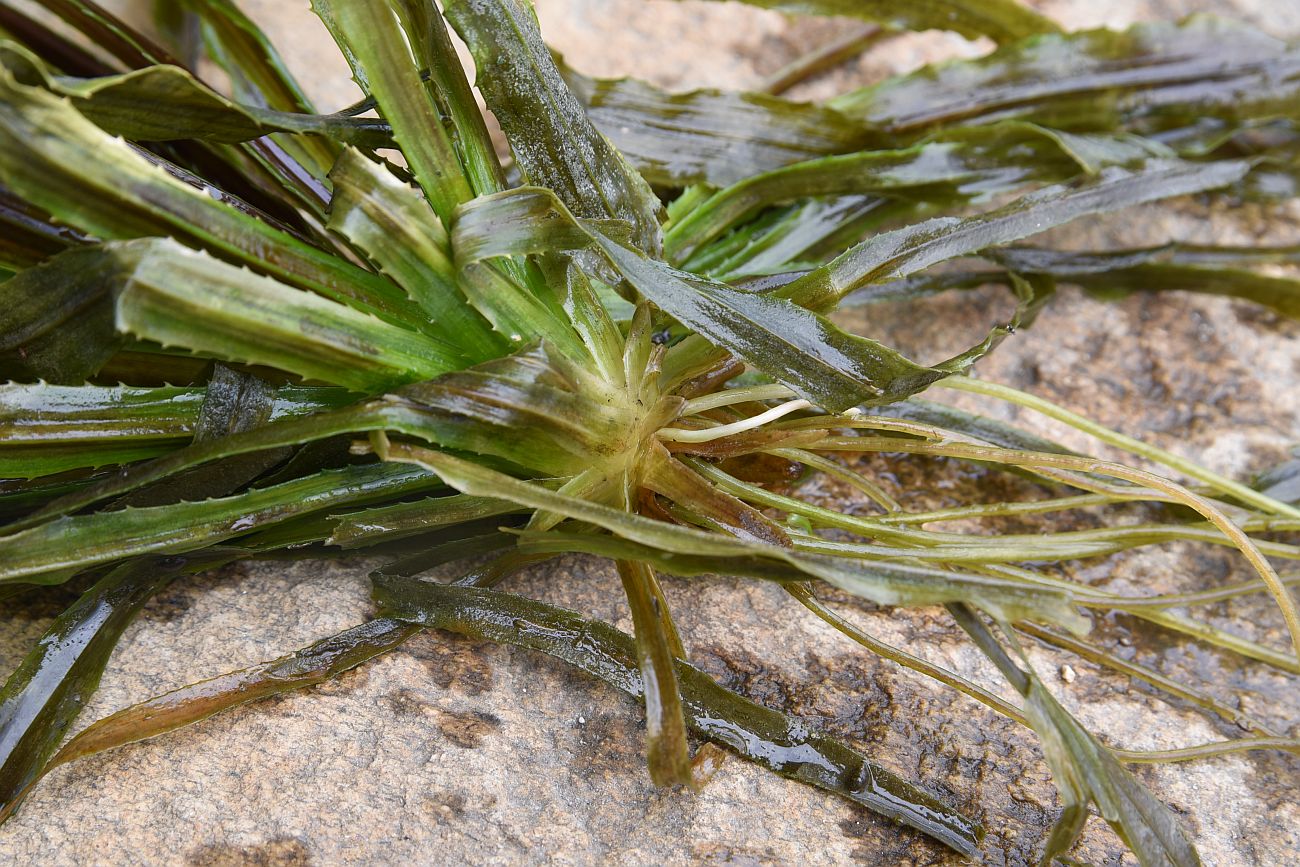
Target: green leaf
[1149, 77]
[513, 224]
[43, 697]
[667, 753]
[58, 160]
[1085, 771]
[56, 319]
[835, 369]
[712, 136]
[402, 520]
[1000, 20]
[28, 235]
[311, 665]
[902, 252]
[40, 414]
[800, 237]
[591, 308]
[43, 413]
[434, 51]
[46, 553]
[666, 475]
[33, 462]
[258, 75]
[554, 142]
[392, 224]
[954, 167]
[525, 410]
[1178, 268]
[772, 739]
[164, 103]
[181, 297]
[883, 583]
[372, 37]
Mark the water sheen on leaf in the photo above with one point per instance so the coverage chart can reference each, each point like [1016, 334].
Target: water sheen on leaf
[1152, 76]
[781, 743]
[1000, 20]
[555, 143]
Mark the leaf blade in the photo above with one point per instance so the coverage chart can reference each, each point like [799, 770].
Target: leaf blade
[554, 141]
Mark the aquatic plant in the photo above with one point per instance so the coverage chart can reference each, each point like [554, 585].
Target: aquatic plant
[236, 328]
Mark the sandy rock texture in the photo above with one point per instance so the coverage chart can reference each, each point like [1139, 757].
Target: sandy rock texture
[452, 751]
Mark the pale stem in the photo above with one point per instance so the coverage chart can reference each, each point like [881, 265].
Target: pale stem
[1119, 440]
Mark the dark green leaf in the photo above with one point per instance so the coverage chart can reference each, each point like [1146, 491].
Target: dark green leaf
[380, 414]
[1154, 75]
[950, 169]
[990, 430]
[830, 367]
[712, 136]
[258, 75]
[56, 319]
[401, 520]
[1000, 20]
[1116, 273]
[163, 103]
[667, 753]
[897, 254]
[1085, 771]
[1162, 269]
[45, 553]
[765, 736]
[180, 31]
[47, 429]
[109, 32]
[313, 664]
[553, 140]
[1282, 482]
[43, 697]
[58, 48]
[28, 236]
[233, 402]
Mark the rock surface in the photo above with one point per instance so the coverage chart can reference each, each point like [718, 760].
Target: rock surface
[451, 751]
